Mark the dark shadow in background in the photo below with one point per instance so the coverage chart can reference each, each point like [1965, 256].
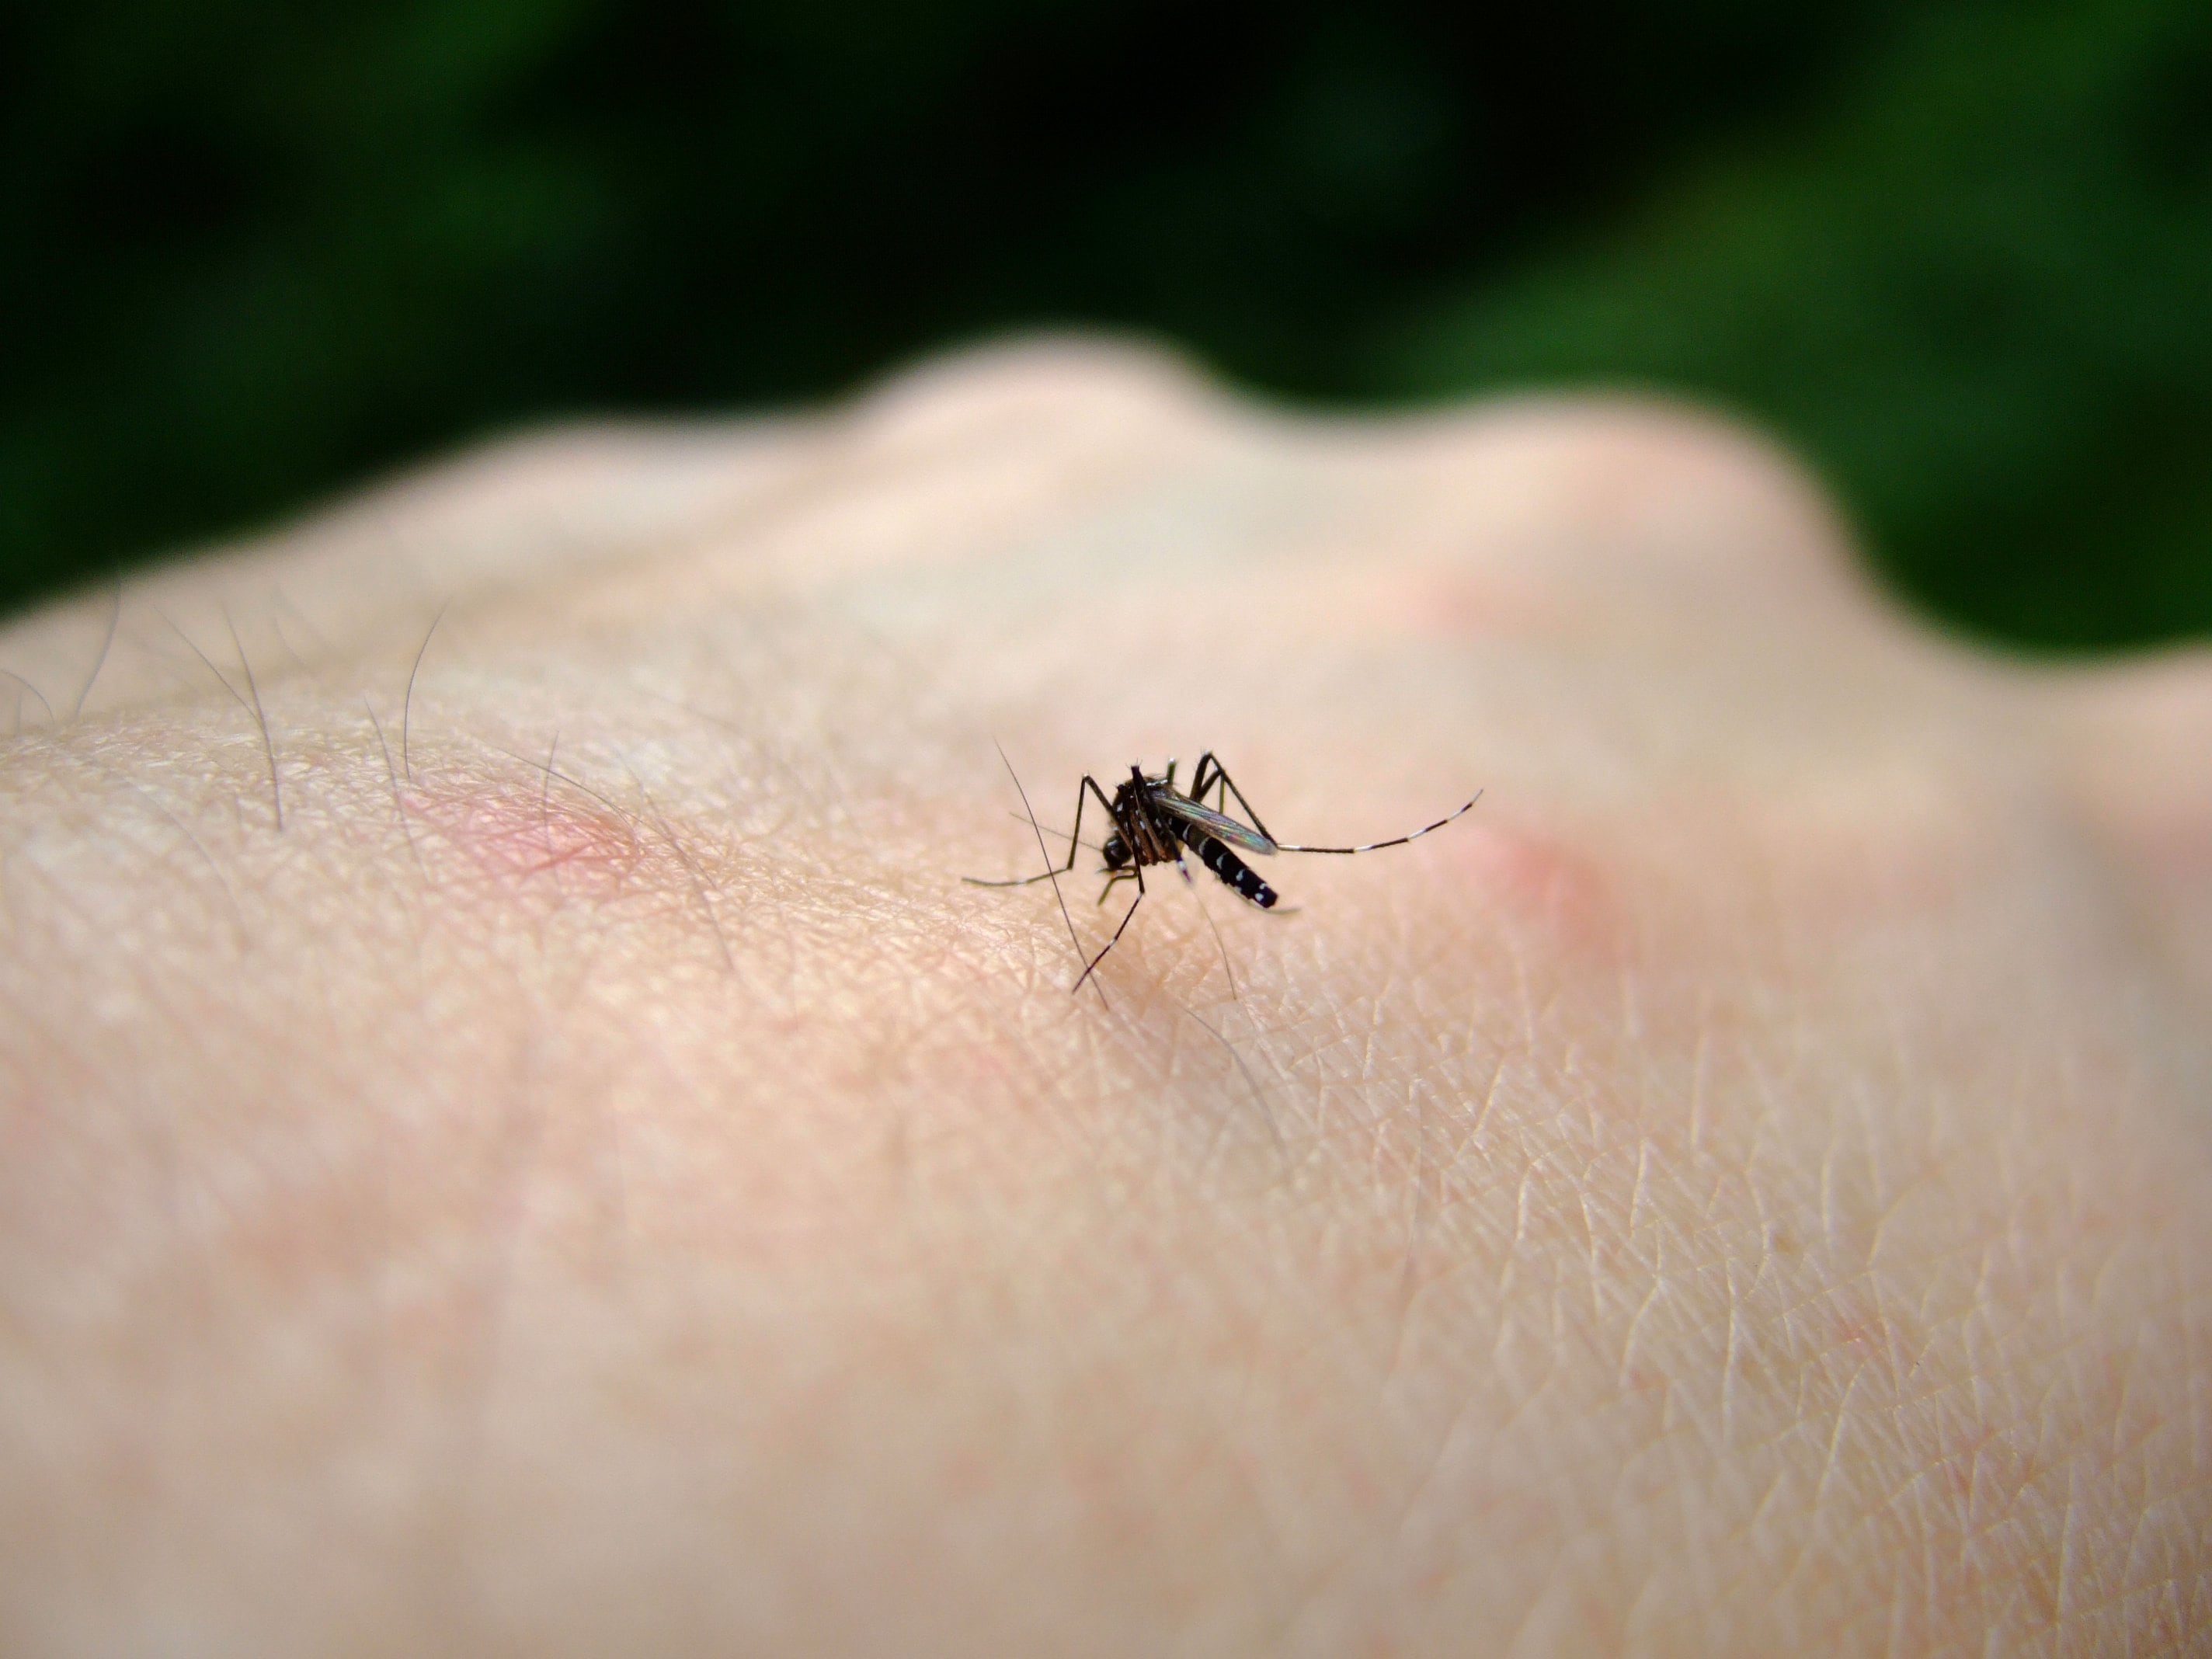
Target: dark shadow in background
[1962, 255]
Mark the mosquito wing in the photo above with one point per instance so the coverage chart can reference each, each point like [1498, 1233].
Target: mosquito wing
[1217, 825]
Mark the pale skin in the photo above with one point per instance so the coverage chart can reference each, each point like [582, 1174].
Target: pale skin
[593, 1180]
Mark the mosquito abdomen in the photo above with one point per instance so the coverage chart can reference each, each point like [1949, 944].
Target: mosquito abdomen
[1235, 873]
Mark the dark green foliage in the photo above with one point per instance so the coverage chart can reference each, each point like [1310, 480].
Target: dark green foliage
[1960, 254]
[1979, 293]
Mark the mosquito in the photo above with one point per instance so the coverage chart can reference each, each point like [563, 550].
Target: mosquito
[1154, 822]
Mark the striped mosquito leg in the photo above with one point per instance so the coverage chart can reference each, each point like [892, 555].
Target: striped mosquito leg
[1396, 841]
[1116, 939]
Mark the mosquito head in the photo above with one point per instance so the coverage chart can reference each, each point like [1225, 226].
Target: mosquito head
[1116, 851]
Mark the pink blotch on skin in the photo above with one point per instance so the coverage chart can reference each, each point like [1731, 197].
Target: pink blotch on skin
[1540, 880]
[1457, 603]
[1861, 1334]
[1425, 603]
[515, 834]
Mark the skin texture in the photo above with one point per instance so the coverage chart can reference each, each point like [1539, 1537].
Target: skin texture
[559, 1163]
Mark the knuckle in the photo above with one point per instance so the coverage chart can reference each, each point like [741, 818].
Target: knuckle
[1650, 480]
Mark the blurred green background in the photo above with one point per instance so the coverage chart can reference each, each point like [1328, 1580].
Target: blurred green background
[1960, 254]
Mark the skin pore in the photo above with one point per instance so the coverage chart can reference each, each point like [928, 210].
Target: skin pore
[551, 1158]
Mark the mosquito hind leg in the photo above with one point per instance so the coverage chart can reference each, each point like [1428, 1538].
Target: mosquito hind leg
[1395, 841]
[1212, 774]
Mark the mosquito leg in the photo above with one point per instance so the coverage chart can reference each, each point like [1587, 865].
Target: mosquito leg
[1015, 881]
[1116, 939]
[1104, 805]
[1087, 846]
[1075, 834]
[1396, 841]
[1199, 780]
[1075, 841]
[1221, 780]
[1206, 779]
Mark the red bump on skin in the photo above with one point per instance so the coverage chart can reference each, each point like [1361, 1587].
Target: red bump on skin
[1458, 603]
[1861, 1334]
[1447, 603]
[515, 834]
[1542, 881]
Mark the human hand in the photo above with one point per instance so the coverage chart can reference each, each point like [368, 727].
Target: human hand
[554, 1159]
